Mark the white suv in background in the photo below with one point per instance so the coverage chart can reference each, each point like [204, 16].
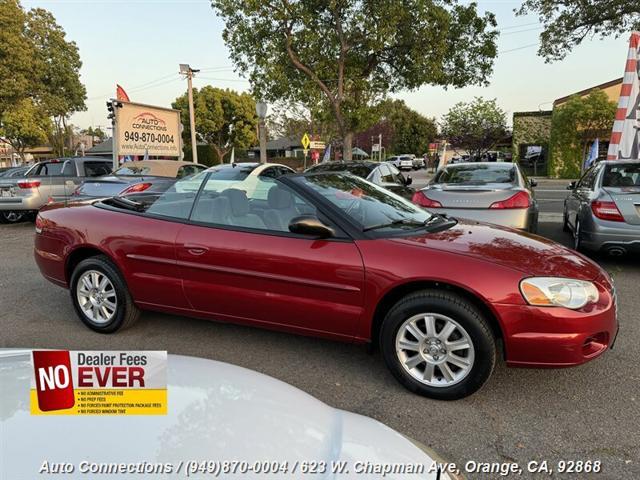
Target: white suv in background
[402, 162]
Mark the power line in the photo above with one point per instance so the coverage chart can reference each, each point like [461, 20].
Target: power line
[521, 31]
[519, 48]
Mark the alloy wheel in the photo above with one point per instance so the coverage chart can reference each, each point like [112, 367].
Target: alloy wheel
[435, 349]
[96, 296]
[12, 217]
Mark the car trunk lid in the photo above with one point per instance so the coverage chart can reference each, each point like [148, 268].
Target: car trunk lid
[469, 196]
[10, 187]
[627, 199]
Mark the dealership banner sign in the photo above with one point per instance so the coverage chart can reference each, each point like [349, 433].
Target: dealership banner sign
[146, 130]
[99, 382]
[625, 135]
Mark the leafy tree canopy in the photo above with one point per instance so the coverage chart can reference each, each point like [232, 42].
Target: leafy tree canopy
[354, 52]
[568, 22]
[95, 133]
[224, 118]
[475, 126]
[574, 125]
[17, 55]
[25, 125]
[412, 132]
[38, 63]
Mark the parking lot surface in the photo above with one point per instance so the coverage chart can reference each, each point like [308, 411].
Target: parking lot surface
[591, 412]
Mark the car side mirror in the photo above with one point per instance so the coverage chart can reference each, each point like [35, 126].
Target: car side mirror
[571, 186]
[533, 183]
[408, 180]
[310, 225]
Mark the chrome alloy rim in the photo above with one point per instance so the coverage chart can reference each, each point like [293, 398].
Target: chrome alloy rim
[12, 216]
[96, 296]
[434, 349]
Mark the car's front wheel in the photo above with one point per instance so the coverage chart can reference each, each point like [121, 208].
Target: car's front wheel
[438, 344]
[100, 296]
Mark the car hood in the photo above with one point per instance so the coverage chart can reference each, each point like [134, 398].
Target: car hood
[526, 252]
[216, 411]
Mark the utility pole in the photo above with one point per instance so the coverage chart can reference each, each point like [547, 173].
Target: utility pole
[261, 111]
[380, 147]
[186, 70]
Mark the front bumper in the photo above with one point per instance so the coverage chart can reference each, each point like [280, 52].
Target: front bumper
[552, 337]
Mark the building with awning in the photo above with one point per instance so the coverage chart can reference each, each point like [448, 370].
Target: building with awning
[532, 131]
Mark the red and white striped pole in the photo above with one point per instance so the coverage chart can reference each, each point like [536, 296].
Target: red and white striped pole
[627, 122]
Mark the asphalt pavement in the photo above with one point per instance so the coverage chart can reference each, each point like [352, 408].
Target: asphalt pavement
[591, 412]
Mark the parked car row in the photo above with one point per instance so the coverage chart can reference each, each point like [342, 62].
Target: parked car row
[24, 190]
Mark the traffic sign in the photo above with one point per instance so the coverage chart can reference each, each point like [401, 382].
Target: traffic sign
[305, 141]
[316, 145]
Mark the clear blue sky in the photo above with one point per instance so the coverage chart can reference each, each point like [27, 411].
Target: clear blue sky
[139, 44]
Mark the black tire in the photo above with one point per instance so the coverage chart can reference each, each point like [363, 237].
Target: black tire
[126, 311]
[11, 217]
[577, 233]
[565, 223]
[457, 308]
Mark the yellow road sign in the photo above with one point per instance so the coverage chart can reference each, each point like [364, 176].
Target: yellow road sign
[305, 141]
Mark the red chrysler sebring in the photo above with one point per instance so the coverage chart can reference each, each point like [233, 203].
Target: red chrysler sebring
[335, 256]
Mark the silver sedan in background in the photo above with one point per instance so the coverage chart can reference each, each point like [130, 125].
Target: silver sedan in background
[492, 192]
[603, 209]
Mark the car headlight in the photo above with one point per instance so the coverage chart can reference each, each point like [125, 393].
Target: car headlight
[559, 292]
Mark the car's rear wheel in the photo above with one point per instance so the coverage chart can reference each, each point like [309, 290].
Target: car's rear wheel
[11, 217]
[565, 222]
[438, 344]
[100, 296]
[577, 240]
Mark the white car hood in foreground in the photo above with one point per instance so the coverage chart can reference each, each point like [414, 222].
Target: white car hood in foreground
[216, 412]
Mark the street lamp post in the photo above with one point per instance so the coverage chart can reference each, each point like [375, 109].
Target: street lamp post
[186, 70]
[261, 110]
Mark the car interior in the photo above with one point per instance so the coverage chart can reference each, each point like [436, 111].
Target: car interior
[231, 207]
[623, 177]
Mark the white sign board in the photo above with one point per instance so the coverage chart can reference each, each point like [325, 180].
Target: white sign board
[375, 147]
[316, 145]
[144, 129]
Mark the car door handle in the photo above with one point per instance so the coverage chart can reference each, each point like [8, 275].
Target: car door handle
[196, 249]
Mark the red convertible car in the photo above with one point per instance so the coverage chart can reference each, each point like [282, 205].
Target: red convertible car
[332, 255]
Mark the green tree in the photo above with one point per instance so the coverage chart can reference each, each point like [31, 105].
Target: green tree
[58, 72]
[353, 53]
[475, 126]
[568, 23]
[17, 56]
[95, 133]
[574, 125]
[224, 118]
[411, 132]
[25, 125]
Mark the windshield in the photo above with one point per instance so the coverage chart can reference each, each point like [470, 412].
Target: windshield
[620, 176]
[358, 170]
[476, 174]
[132, 170]
[368, 205]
